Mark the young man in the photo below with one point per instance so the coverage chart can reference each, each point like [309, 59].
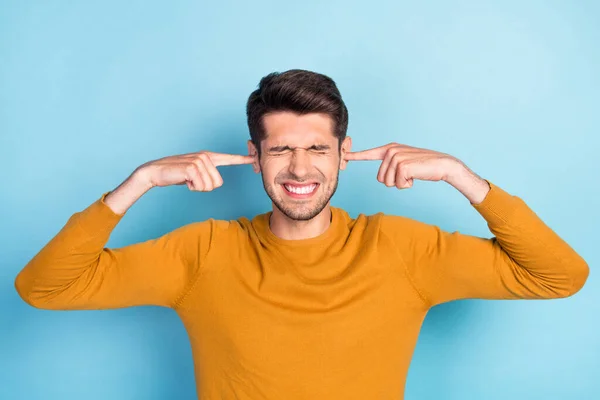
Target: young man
[302, 302]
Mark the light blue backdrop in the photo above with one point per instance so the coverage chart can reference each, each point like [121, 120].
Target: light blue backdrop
[91, 90]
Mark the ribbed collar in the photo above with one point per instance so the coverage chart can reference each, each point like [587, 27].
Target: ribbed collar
[333, 231]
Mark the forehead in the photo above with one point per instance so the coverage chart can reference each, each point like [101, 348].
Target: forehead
[285, 127]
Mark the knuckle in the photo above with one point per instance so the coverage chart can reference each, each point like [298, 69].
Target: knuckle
[198, 165]
[203, 156]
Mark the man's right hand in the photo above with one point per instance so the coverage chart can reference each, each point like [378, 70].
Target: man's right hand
[196, 170]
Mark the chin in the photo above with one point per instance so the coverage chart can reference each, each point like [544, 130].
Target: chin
[298, 215]
[301, 211]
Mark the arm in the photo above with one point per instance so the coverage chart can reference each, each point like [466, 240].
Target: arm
[524, 260]
[75, 271]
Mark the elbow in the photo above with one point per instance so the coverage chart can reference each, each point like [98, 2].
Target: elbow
[25, 290]
[579, 273]
[22, 289]
[576, 275]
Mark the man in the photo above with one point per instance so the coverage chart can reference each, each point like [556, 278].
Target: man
[302, 302]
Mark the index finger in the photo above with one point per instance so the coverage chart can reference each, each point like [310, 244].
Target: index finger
[376, 153]
[219, 159]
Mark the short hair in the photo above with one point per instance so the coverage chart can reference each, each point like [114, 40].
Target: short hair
[299, 91]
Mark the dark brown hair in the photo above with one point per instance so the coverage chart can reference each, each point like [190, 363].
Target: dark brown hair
[299, 91]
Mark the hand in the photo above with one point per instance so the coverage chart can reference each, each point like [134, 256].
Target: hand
[402, 164]
[197, 170]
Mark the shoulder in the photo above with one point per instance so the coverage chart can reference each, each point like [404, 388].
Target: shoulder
[397, 227]
[402, 230]
[215, 228]
[384, 221]
[207, 230]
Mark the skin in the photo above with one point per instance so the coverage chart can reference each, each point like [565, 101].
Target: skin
[288, 154]
[301, 163]
[299, 149]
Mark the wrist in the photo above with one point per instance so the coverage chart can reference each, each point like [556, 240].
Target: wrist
[128, 192]
[141, 178]
[467, 182]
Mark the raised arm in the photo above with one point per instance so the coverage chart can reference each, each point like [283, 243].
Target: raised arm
[525, 259]
[75, 270]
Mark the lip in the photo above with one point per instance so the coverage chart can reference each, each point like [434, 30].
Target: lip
[299, 184]
[297, 195]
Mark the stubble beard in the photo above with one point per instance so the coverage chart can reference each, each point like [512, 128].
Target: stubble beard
[301, 210]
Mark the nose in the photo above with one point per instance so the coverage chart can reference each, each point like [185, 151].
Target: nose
[299, 163]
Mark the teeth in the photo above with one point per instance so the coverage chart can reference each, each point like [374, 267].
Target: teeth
[301, 190]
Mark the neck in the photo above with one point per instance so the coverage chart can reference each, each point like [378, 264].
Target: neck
[290, 229]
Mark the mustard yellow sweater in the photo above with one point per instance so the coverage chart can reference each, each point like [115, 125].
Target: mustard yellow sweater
[331, 317]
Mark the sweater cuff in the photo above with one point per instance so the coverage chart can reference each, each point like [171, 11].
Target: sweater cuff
[498, 206]
[98, 218]
[106, 208]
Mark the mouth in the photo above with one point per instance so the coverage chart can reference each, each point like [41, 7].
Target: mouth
[303, 191]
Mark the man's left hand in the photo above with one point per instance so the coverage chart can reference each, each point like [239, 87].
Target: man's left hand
[401, 164]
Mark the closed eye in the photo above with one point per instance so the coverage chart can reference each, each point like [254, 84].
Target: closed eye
[279, 153]
[282, 150]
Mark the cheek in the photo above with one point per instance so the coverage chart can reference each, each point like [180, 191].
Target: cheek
[271, 168]
[328, 167]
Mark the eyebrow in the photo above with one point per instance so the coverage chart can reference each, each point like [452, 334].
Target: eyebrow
[276, 149]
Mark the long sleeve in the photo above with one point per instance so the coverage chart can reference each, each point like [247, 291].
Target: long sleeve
[524, 259]
[75, 271]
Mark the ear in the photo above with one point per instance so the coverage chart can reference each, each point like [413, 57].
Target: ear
[346, 146]
[252, 151]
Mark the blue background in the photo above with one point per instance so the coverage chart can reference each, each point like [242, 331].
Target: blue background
[91, 90]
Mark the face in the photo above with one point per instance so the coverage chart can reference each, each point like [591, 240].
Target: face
[300, 162]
